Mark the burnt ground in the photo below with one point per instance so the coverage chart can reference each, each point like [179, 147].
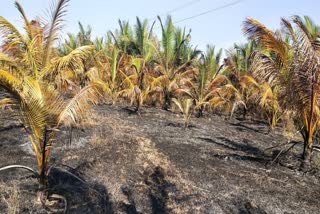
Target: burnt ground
[149, 163]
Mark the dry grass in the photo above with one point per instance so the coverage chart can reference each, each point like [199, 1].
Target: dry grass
[10, 197]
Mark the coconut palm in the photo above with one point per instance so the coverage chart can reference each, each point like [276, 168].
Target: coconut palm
[74, 42]
[208, 82]
[123, 38]
[238, 72]
[293, 70]
[185, 106]
[30, 67]
[111, 65]
[135, 82]
[143, 38]
[170, 68]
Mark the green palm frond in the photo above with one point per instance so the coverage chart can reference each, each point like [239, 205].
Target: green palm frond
[167, 40]
[58, 11]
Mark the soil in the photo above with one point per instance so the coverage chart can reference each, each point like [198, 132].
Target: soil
[122, 162]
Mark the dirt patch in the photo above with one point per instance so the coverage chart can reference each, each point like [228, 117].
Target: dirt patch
[149, 163]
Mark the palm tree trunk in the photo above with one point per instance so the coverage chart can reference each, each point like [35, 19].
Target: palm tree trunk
[307, 154]
[307, 150]
[166, 103]
[43, 180]
[200, 112]
[244, 113]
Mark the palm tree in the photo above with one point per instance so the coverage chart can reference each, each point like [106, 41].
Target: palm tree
[72, 43]
[292, 68]
[143, 39]
[238, 72]
[123, 38]
[30, 67]
[208, 81]
[185, 106]
[136, 85]
[170, 70]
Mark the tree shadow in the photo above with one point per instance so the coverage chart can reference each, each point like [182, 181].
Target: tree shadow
[129, 208]
[240, 127]
[244, 146]
[245, 206]
[180, 125]
[82, 197]
[253, 153]
[159, 189]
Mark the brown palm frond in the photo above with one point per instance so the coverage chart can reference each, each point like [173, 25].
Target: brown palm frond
[74, 60]
[216, 82]
[262, 68]
[231, 65]
[7, 101]
[247, 81]
[288, 29]
[268, 39]
[306, 41]
[27, 24]
[76, 108]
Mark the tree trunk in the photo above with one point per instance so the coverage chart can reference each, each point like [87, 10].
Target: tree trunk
[307, 153]
[244, 112]
[200, 112]
[43, 180]
[70, 136]
[306, 162]
[166, 104]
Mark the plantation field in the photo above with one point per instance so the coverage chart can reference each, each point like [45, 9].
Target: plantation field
[150, 163]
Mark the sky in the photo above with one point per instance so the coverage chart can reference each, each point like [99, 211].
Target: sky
[220, 27]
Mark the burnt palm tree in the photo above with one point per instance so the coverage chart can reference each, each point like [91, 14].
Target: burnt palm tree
[293, 70]
[29, 69]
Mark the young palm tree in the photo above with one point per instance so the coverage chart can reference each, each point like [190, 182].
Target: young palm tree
[143, 39]
[123, 38]
[30, 66]
[238, 72]
[208, 82]
[293, 69]
[72, 43]
[136, 85]
[185, 106]
[170, 69]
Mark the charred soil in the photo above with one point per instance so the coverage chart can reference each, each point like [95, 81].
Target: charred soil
[150, 163]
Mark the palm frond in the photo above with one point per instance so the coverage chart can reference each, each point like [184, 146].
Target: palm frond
[27, 24]
[308, 38]
[263, 68]
[58, 11]
[75, 58]
[78, 107]
[10, 82]
[10, 34]
[265, 37]
[167, 40]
